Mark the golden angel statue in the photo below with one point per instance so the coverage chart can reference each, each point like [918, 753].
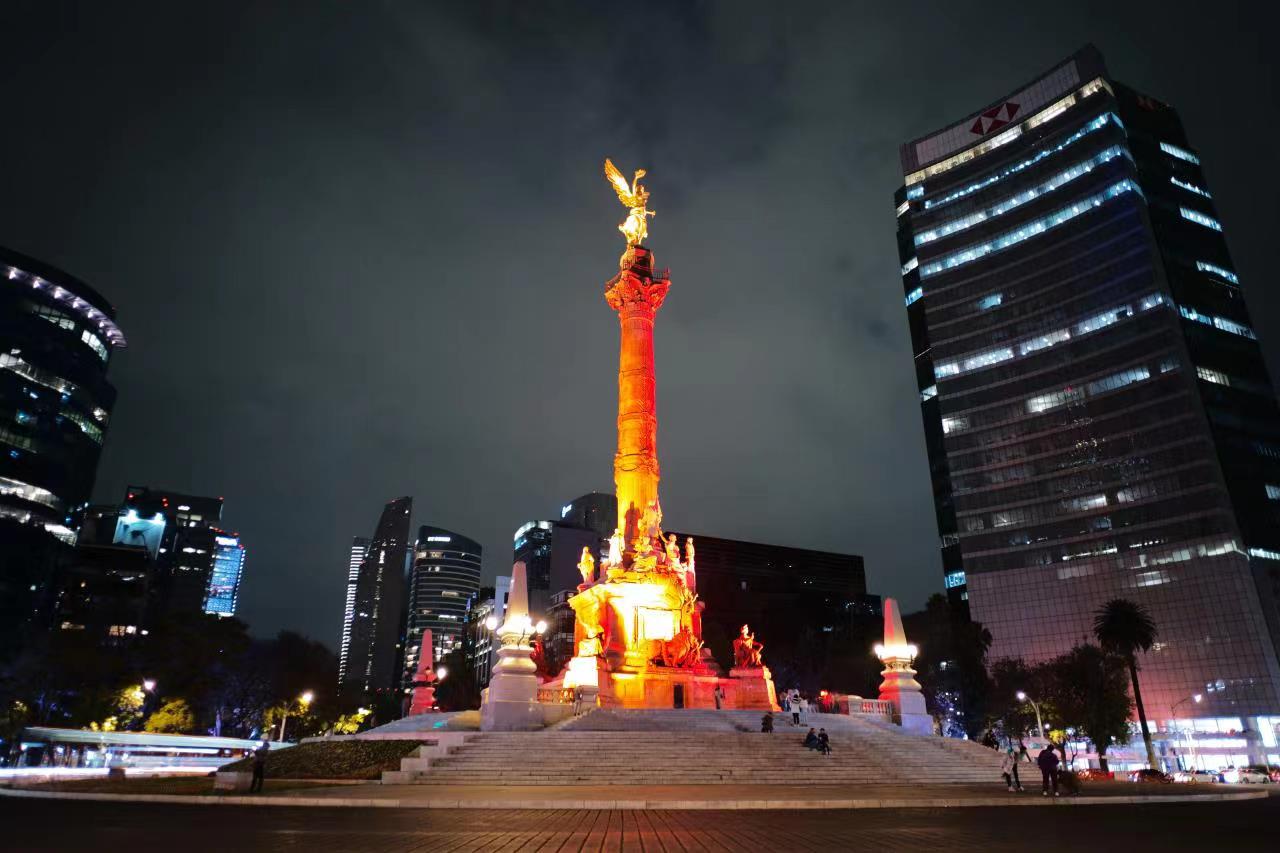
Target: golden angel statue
[635, 197]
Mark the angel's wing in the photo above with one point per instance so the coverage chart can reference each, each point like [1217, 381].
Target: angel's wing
[620, 185]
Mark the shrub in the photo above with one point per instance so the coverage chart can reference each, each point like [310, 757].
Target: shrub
[351, 759]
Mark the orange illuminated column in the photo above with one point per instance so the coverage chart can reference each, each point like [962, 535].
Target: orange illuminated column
[636, 295]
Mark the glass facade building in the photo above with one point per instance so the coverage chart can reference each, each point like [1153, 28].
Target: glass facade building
[373, 635]
[56, 339]
[1098, 417]
[224, 579]
[444, 581]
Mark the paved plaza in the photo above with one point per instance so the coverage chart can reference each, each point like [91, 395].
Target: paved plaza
[47, 825]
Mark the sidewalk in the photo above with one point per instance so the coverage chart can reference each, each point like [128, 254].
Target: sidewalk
[681, 797]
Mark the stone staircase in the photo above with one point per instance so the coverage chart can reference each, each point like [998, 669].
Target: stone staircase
[698, 747]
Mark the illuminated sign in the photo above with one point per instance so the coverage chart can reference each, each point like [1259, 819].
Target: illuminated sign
[439, 538]
[954, 579]
[564, 510]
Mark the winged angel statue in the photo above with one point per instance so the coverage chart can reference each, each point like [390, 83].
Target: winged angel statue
[634, 196]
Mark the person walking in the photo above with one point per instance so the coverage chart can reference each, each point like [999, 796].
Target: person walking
[1047, 760]
[718, 693]
[1009, 770]
[577, 701]
[259, 767]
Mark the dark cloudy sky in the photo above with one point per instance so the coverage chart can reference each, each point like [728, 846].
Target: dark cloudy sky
[359, 248]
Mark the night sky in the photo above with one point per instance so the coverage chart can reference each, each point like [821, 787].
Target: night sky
[359, 249]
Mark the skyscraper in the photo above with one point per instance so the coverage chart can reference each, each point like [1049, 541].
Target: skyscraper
[223, 591]
[1098, 417]
[56, 337]
[181, 533]
[445, 577]
[373, 637]
[359, 547]
[550, 551]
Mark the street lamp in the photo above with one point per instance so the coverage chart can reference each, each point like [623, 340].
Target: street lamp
[441, 672]
[1023, 697]
[491, 623]
[305, 701]
[149, 685]
[1191, 741]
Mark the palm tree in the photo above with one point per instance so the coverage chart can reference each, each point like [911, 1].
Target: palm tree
[1124, 628]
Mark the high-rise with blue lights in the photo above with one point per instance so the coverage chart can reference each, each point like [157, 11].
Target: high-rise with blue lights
[1098, 416]
[223, 590]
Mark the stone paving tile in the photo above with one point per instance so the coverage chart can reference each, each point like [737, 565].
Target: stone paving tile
[139, 828]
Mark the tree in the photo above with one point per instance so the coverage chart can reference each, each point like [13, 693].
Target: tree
[1125, 628]
[1090, 692]
[1014, 717]
[173, 717]
[951, 666]
[458, 690]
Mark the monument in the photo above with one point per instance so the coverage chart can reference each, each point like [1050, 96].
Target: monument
[638, 620]
[510, 702]
[899, 685]
[424, 690]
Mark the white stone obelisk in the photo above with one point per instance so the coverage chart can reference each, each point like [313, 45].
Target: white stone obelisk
[900, 686]
[511, 701]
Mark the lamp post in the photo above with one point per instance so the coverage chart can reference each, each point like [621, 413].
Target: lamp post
[1023, 697]
[1191, 741]
[305, 701]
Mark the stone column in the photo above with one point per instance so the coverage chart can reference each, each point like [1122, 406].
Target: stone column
[636, 295]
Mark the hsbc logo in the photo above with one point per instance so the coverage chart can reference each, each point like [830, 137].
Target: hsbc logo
[994, 118]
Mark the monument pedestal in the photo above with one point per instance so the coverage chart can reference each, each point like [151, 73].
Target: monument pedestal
[752, 689]
[915, 718]
[511, 702]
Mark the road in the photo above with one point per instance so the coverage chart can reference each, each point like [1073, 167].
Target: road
[47, 825]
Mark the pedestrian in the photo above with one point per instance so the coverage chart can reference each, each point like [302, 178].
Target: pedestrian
[797, 703]
[1009, 770]
[718, 693]
[766, 722]
[824, 742]
[259, 766]
[811, 740]
[1048, 763]
[577, 701]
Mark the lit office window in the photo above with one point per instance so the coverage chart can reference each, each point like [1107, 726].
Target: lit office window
[950, 425]
[915, 192]
[1026, 196]
[1180, 153]
[1095, 85]
[915, 296]
[1225, 275]
[1098, 123]
[1199, 218]
[1031, 229]
[986, 303]
[929, 393]
[910, 265]
[1191, 188]
[954, 579]
[1217, 377]
[1273, 492]
[904, 207]
[1220, 323]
